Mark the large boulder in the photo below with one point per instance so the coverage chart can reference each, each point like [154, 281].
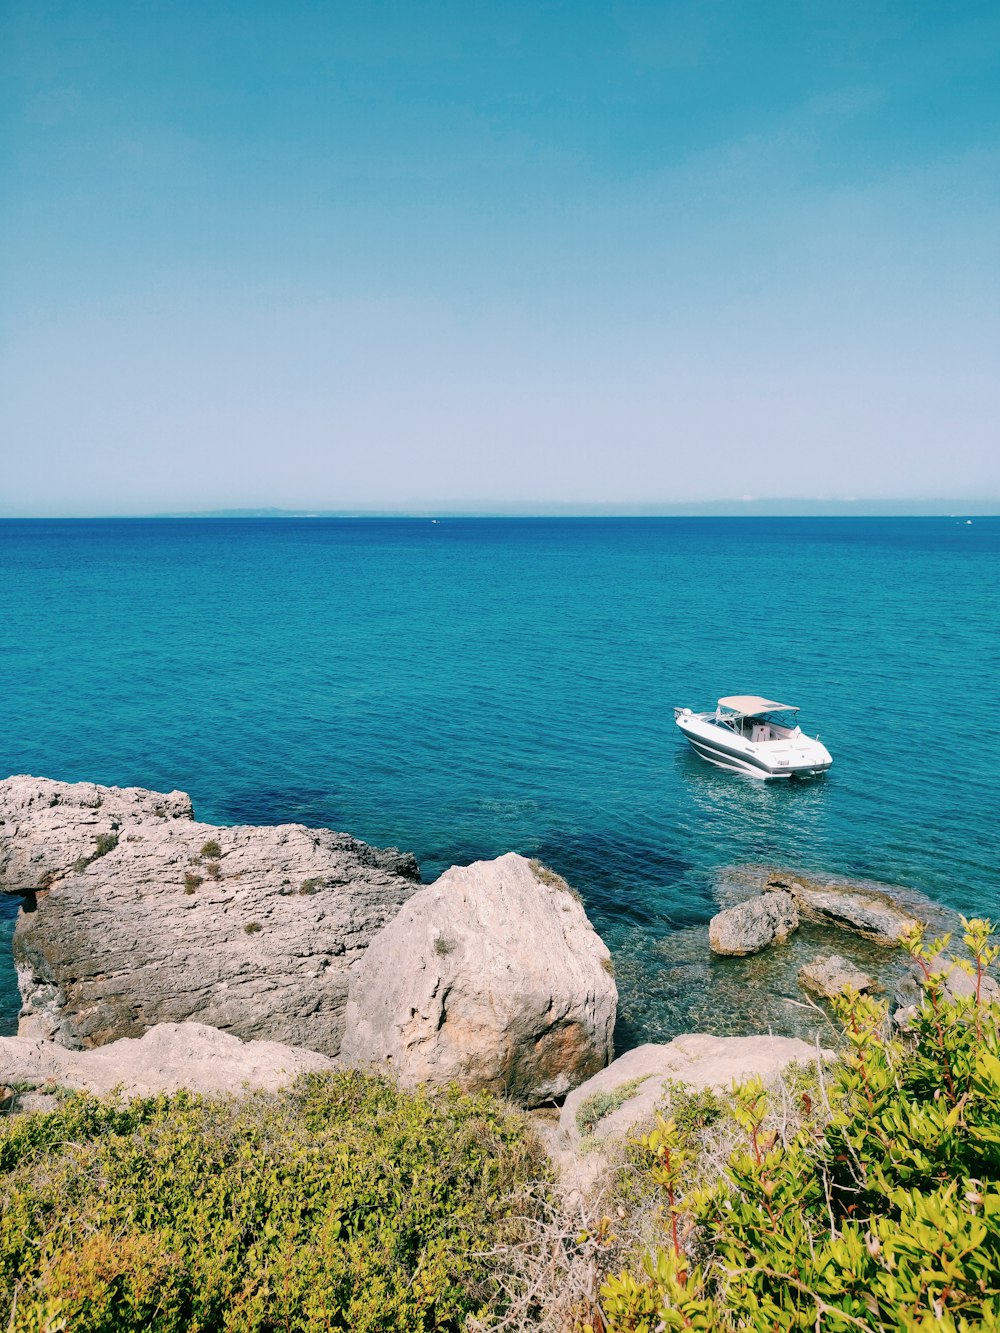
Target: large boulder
[493, 978]
[874, 915]
[166, 1058]
[135, 914]
[753, 925]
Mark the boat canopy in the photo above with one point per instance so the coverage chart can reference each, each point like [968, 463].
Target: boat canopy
[751, 705]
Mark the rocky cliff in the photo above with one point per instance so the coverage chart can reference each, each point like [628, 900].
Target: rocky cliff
[135, 914]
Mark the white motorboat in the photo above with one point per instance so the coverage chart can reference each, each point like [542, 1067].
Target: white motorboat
[748, 734]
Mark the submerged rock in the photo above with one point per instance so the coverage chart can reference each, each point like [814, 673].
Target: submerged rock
[829, 976]
[493, 978]
[168, 1057]
[137, 915]
[958, 984]
[753, 925]
[871, 914]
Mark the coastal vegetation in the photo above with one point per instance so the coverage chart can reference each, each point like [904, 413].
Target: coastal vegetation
[594, 1108]
[863, 1194]
[343, 1204]
[545, 875]
[876, 1206]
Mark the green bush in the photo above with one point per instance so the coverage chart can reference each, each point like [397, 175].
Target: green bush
[103, 843]
[695, 1109]
[343, 1204]
[886, 1218]
[211, 849]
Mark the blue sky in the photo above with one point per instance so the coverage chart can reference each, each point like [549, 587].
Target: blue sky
[424, 254]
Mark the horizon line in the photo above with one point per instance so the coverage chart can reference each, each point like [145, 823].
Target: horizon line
[790, 507]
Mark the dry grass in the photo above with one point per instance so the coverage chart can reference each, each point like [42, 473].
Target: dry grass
[566, 1243]
[568, 1240]
[546, 876]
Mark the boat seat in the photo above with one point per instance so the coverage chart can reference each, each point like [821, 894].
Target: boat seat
[760, 733]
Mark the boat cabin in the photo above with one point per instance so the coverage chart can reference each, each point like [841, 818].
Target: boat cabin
[757, 719]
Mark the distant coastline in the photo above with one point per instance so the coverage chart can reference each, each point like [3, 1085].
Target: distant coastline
[962, 507]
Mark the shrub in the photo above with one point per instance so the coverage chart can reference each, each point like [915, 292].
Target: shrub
[213, 870]
[103, 843]
[211, 849]
[594, 1108]
[343, 1204]
[192, 881]
[887, 1217]
[311, 885]
[696, 1109]
[252, 927]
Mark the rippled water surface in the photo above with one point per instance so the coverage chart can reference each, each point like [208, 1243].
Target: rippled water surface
[467, 687]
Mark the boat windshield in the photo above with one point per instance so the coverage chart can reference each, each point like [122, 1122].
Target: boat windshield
[758, 726]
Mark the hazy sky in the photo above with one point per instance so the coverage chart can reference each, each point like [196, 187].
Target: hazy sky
[313, 253]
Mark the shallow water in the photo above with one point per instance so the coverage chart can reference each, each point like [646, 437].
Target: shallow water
[468, 687]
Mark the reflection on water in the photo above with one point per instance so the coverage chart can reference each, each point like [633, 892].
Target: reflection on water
[754, 817]
[736, 798]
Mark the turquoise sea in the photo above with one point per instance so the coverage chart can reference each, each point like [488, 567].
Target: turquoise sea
[466, 687]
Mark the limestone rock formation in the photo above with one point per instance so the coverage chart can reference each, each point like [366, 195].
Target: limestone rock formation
[830, 974]
[874, 915]
[491, 977]
[167, 1057]
[753, 925]
[636, 1083]
[46, 827]
[134, 915]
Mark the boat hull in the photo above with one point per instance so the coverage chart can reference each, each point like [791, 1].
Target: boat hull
[801, 758]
